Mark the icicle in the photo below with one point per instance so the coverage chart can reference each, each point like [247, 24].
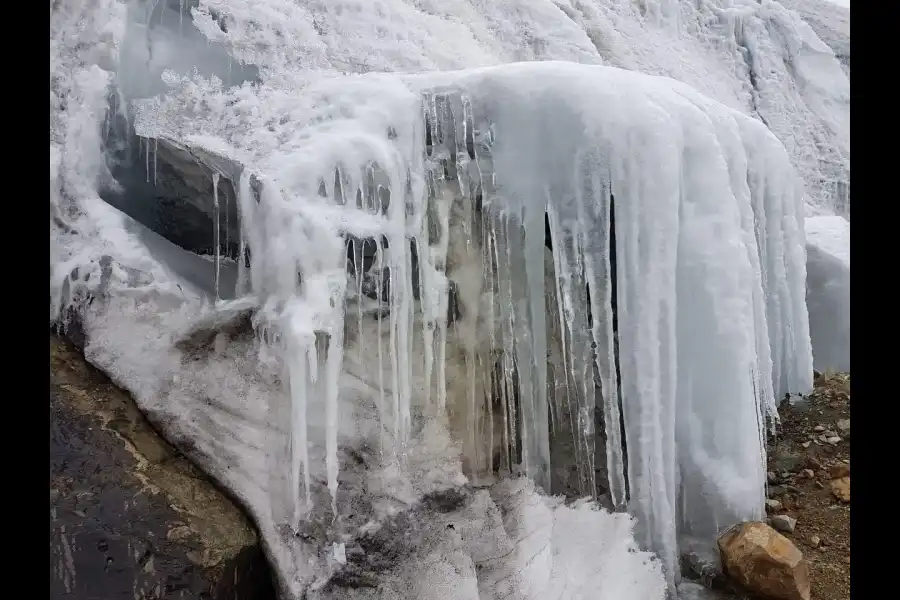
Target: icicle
[334, 359]
[298, 366]
[155, 157]
[216, 230]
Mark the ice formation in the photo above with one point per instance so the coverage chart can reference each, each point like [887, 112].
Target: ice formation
[828, 291]
[407, 312]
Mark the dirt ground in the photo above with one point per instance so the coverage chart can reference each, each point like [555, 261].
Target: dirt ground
[809, 475]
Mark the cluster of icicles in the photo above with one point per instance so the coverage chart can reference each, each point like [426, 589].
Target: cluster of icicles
[308, 296]
[439, 239]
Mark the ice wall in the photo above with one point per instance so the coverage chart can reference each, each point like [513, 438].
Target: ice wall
[828, 291]
[712, 324]
[451, 175]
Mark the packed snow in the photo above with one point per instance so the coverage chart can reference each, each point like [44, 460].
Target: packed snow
[337, 405]
[828, 291]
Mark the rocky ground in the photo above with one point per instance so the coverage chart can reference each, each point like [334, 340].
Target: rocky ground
[809, 483]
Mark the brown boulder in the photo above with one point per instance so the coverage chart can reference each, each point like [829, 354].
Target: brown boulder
[840, 488]
[765, 562]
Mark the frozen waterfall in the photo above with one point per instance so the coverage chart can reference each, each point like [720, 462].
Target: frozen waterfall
[450, 298]
[453, 178]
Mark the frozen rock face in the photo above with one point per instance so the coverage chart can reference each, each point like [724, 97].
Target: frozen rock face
[332, 403]
[344, 414]
[828, 291]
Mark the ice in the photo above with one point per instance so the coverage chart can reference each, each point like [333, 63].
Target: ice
[673, 302]
[710, 270]
[828, 291]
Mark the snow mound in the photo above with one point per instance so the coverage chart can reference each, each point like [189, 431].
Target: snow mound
[828, 291]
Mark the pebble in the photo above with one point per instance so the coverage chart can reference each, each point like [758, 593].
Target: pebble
[783, 523]
[806, 444]
[813, 463]
[772, 505]
[771, 476]
[819, 428]
[843, 425]
[814, 541]
[833, 439]
[830, 433]
[807, 474]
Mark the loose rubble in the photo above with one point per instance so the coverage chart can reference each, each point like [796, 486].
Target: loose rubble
[809, 483]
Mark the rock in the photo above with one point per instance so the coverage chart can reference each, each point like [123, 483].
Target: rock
[839, 470]
[806, 444]
[771, 477]
[840, 489]
[777, 490]
[129, 517]
[783, 523]
[765, 562]
[819, 428]
[773, 505]
[843, 425]
[815, 541]
[833, 439]
[813, 463]
[807, 474]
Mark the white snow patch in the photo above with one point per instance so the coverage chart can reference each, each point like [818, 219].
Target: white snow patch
[828, 291]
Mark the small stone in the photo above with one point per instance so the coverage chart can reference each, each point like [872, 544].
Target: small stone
[764, 562]
[820, 485]
[843, 425]
[813, 463]
[777, 490]
[830, 433]
[823, 438]
[806, 444]
[833, 439]
[819, 428]
[807, 474]
[839, 470]
[771, 477]
[783, 523]
[814, 541]
[840, 489]
[772, 505]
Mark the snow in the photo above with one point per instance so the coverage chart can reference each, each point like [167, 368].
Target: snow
[828, 291]
[329, 122]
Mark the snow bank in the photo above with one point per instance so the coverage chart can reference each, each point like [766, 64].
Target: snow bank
[828, 291]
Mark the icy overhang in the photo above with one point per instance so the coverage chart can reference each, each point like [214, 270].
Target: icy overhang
[710, 322]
